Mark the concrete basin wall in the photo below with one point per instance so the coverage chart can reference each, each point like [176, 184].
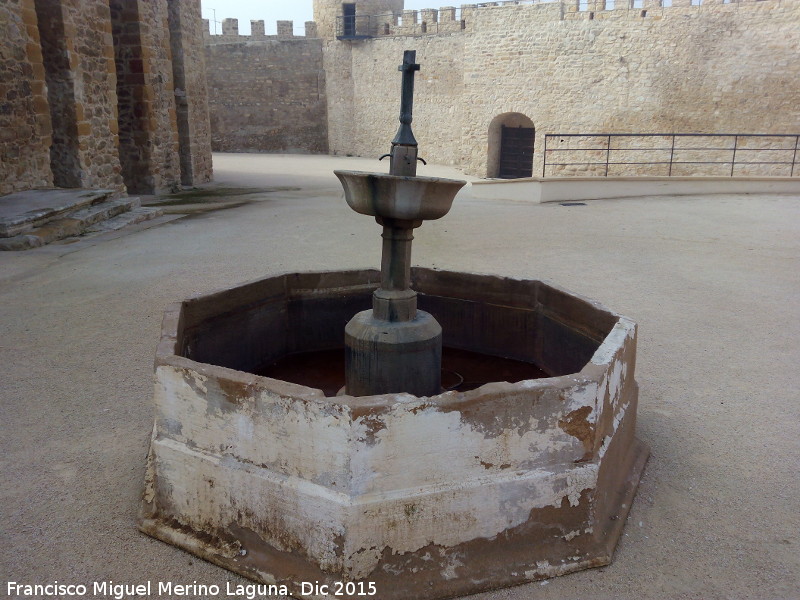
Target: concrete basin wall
[426, 497]
[291, 313]
[254, 324]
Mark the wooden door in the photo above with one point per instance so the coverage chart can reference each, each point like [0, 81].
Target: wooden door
[516, 152]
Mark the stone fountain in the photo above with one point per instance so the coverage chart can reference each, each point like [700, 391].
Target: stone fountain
[394, 487]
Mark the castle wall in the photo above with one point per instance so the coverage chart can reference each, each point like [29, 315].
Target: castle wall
[24, 115]
[708, 69]
[267, 94]
[340, 92]
[715, 68]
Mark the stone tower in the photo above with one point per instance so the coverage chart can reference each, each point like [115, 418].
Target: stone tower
[327, 13]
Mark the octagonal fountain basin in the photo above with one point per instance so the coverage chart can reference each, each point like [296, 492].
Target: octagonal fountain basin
[399, 197]
[420, 497]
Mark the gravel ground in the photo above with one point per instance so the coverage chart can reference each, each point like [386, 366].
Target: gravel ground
[712, 281]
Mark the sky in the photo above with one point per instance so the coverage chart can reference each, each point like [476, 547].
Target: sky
[271, 11]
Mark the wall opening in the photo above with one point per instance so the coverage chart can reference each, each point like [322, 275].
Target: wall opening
[511, 142]
[349, 19]
[132, 103]
[59, 76]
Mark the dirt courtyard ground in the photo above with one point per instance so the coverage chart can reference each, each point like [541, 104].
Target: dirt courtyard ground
[713, 282]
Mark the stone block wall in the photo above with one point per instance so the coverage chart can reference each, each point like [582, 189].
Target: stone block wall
[87, 96]
[157, 54]
[25, 127]
[87, 29]
[267, 95]
[230, 32]
[364, 96]
[191, 91]
[59, 60]
[148, 141]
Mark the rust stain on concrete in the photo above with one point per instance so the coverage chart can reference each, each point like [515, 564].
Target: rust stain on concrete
[577, 425]
[234, 390]
[373, 423]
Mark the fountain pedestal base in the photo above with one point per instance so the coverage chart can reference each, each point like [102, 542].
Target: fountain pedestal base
[384, 357]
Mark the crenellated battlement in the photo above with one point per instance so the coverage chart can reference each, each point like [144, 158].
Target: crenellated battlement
[452, 19]
[230, 32]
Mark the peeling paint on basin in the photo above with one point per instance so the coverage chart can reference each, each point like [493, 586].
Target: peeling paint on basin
[426, 497]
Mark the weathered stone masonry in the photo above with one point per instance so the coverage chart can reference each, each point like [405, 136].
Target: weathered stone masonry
[267, 92]
[565, 67]
[191, 90]
[87, 97]
[25, 127]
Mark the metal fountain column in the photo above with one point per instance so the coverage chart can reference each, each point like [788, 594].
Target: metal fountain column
[395, 300]
[394, 347]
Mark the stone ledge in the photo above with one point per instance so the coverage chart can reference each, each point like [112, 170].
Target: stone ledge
[99, 217]
[23, 211]
[560, 189]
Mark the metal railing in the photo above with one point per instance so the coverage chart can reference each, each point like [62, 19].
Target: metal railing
[410, 23]
[355, 27]
[672, 154]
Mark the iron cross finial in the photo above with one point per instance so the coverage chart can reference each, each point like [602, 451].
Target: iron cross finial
[405, 137]
[409, 56]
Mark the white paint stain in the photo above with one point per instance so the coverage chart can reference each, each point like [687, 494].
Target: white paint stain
[623, 330]
[449, 571]
[619, 416]
[572, 534]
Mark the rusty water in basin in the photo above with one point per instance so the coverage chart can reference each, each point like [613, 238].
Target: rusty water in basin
[462, 370]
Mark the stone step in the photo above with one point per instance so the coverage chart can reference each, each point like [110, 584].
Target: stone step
[132, 217]
[104, 211]
[22, 212]
[88, 219]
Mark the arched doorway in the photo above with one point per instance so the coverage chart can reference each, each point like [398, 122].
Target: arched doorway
[511, 140]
